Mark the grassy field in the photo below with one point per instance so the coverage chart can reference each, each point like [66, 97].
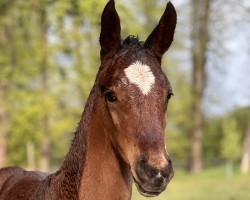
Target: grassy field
[210, 185]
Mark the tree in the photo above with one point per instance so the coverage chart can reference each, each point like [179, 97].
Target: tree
[4, 131]
[242, 117]
[245, 160]
[230, 144]
[49, 56]
[7, 47]
[213, 134]
[200, 39]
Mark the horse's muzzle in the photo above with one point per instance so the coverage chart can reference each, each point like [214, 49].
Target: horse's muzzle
[150, 180]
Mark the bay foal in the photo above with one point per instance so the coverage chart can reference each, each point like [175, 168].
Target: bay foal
[120, 137]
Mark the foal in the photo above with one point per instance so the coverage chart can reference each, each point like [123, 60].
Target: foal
[120, 137]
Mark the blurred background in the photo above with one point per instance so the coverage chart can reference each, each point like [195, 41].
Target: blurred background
[49, 56]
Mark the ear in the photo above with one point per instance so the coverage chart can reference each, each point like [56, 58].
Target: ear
[110, 37]
[162, 36]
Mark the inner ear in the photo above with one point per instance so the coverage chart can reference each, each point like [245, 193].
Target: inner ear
[162, 36]
[110, 37]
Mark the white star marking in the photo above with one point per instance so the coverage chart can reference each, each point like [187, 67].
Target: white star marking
[140, 75]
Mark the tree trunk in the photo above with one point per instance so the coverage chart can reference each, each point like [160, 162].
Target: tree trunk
[30, 156]
[4, 130]
[45, 142]
[245, 160]
[229, 169]
[200, 38]
[6, 87]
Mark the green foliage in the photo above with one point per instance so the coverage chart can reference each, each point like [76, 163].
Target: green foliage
[28, 54]
[213, 134]
[242, 117]
[230, 144]
[25, 123]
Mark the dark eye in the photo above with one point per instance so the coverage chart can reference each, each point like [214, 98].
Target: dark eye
[169, 96]
[110, 96]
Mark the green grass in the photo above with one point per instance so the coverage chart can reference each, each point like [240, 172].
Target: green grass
[210, 185]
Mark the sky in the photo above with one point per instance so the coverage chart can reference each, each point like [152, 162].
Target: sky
[229, 86]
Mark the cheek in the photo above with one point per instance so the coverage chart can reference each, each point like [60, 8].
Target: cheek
[115, 119]
[123, 127]
[125, 137]
[122, 121]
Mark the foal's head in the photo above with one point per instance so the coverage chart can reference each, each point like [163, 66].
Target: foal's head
[135, 92]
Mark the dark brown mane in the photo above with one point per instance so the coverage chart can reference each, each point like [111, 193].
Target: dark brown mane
[133, 41]
[134, 45]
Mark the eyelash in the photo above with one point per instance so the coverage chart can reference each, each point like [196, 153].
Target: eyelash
[169, 96]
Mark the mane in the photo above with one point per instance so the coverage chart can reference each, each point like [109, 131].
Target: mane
[134, 45]
[133, 42]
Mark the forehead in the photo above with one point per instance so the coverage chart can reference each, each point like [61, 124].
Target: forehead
[138, 66]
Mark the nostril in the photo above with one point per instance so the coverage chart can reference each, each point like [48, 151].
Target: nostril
[153, 172]
[165, 173]
[168, 172]
[158, 181]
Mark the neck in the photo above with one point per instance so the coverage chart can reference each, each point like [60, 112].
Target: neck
[92, 169]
